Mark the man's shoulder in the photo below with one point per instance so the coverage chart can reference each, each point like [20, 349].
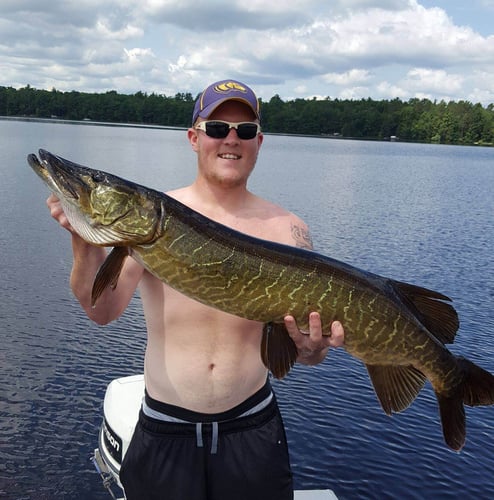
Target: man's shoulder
[269, 207]
[285, 226]
[281, 212]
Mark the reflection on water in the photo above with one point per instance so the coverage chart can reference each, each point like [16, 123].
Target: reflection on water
[418, 213]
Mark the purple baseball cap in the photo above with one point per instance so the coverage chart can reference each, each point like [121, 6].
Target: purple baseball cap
[219, 92]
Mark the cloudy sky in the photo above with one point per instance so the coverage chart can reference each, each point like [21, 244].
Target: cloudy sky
[439, 49]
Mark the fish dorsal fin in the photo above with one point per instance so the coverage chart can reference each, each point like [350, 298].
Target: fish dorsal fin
[278, 350]
[108, 273]
[439, 317]
[396, 386]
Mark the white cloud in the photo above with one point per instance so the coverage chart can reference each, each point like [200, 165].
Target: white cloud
[353, 93]
[137, 56]
[179, 65]
[348, 77]
[434, 81]
[387, 90]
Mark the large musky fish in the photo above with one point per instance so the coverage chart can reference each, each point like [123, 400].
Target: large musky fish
[398, 330]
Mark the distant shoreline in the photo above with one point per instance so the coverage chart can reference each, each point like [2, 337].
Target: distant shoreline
[168, 127]
[88, 122]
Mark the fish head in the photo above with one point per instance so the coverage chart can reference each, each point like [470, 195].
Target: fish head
[104, 209]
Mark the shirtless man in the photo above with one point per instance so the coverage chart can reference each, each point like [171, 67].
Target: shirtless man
[209, 427]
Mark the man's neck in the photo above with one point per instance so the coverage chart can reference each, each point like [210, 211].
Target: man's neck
[229, 199]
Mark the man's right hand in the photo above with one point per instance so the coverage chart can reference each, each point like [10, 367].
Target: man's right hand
[56, 211]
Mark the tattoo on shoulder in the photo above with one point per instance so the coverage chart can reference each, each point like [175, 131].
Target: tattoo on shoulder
[302, 237]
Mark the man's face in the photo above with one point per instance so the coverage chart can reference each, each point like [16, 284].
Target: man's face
[227, 161]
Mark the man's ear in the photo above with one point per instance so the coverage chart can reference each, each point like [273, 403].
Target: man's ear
[193, 136]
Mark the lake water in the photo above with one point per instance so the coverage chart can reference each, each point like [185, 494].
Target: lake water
[418, 213]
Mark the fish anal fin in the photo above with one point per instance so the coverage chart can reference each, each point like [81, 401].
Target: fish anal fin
[396, 386]
[278, 350]
[434, 311]
[109, 272]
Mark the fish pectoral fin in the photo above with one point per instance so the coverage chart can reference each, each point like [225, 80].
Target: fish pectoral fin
[108, 273]
[396, 386]
[433, 310]
[278, 350]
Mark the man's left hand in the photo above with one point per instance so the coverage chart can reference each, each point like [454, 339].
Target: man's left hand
[313, 345]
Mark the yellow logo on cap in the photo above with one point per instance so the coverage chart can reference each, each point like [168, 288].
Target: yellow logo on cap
[228, 86]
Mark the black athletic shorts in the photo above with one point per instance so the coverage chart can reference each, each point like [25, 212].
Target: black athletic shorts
[210, 457]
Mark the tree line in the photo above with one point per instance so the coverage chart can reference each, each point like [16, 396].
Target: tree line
[419, 120]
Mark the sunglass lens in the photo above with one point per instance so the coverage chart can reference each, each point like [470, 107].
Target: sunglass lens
[247, 131]
[217, 130]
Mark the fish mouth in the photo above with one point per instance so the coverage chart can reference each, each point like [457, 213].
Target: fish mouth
[58, 174]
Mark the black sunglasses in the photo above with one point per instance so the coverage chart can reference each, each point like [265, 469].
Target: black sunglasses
[218, 129]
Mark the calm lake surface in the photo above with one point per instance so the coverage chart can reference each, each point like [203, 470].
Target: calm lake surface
[417, 213]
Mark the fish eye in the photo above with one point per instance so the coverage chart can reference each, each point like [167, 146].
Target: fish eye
[97, 176]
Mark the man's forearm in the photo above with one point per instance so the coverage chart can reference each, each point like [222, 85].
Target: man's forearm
[87, 260]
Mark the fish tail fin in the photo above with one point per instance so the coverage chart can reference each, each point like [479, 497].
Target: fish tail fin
[453, 421]
[476, 389]
[278, 350]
